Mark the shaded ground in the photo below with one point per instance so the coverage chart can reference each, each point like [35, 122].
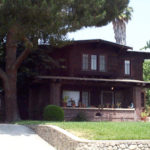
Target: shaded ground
[18, 137]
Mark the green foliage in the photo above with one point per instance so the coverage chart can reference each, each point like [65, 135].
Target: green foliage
[148, 110]
[65, 99]
[147, 45]
[81, 116]
[146, 77]
[126, 14]
[50, 21]
[53, 113]
[53, 19]
[144, 114]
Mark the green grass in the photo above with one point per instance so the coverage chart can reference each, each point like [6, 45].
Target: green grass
[103, 130]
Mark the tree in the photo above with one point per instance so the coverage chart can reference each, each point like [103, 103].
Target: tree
[119, 25]
[147, 46]
[146, 77]
[26, 21]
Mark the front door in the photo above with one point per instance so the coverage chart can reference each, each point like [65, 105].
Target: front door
[107, 98]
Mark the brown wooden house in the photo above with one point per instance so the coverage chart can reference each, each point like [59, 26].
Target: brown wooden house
[103, 79]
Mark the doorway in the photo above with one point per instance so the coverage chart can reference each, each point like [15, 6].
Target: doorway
[107, 98]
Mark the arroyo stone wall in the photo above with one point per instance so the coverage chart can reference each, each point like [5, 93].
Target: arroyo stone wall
[63, 140]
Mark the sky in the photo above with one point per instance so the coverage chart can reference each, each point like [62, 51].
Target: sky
[138, 28]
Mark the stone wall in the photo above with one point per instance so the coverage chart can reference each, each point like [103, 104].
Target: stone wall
[62, 140]
[105, 114]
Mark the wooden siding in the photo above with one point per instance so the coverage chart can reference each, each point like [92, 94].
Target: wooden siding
[115, 58]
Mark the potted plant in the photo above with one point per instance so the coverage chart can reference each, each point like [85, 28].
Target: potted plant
[144, 116]
[112, 106]
[73, 103]
[148, 113]
[101, 106]
[107, 105]
[118, 104]
[79, 104]
[65, 101]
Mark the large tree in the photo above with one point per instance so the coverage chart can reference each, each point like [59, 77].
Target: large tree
[26, 21]
[119, 25]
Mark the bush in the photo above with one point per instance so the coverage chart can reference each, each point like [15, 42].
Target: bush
[81, 116]
[53, 113]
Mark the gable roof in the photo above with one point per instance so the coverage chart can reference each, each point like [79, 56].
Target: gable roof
[91, 41]
[100, 41]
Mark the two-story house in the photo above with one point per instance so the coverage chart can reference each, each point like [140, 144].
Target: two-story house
[104, 79]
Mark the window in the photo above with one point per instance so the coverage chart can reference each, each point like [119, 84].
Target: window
[102, 63]
[72, 95]
[85, 98]
[107, 98]
[127, 67]
[85, 62]
[93, 62]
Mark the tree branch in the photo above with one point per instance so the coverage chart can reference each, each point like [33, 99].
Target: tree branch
[21, 58]
[28, 46]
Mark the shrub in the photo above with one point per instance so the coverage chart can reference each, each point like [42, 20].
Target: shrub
[53, 113]
[81, 116]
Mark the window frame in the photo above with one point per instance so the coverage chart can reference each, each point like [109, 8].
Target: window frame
[127, 71]
[93, 62]
[104, 63]
[87, 101]
[85, 65]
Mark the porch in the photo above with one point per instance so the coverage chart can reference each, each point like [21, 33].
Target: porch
[99, 99]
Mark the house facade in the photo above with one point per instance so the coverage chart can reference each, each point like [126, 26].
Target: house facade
[102, 79]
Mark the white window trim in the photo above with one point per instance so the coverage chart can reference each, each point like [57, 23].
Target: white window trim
[102, 63]
[85, 62]
[93, 62]
[127, 67]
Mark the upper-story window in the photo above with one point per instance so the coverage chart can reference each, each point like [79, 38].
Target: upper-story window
[102, 63]
[93, 62]
[85, 62]
[127, 67]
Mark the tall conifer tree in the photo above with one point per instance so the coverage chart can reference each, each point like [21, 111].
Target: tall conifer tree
[26, 21]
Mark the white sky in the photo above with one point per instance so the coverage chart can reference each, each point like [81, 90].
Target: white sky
[138, 29]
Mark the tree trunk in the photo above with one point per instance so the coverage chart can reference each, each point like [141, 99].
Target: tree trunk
[10, 89]
[11, 106]
[9, 76]
[119, 27]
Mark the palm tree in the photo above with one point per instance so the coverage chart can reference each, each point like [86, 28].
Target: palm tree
[147, 46]
[119, 25]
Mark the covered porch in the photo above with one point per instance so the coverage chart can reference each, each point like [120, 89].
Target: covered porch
[99, 99]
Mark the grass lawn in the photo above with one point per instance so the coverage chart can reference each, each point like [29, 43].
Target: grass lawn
[103, 130]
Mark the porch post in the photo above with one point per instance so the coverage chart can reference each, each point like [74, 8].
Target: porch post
[137, 102]
[55, 93]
